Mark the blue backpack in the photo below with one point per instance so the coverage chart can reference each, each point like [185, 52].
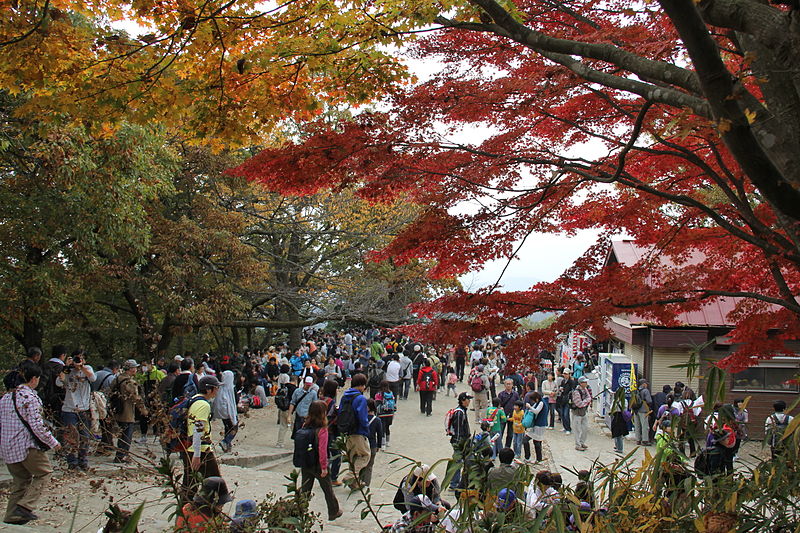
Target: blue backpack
[177, 437]
[388, 405]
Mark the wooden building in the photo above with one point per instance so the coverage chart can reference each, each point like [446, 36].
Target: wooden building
[659, 351]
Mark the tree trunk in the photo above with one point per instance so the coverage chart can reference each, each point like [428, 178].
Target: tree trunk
[32, 332]
[237, 340]
[249, 333]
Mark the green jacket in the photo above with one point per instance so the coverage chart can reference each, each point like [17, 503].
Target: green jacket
[496, 417]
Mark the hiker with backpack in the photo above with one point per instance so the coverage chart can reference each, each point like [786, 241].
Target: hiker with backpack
[311, 456]
[427, 383]
[302, 398]
[376, 437]
[283, 399]
[386, 402]
[640, 405]
[185, 385]
[456, 424]
[376, 376]
[125, 400]
[775, 427]
[198, 456]
[479, 384]
[581, 399]
[353, 421]
[407, 375]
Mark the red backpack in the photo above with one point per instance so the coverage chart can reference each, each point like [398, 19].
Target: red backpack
[427, 383]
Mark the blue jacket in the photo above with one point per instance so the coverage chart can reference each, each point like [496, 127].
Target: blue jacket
[297, 364]
[360, 406]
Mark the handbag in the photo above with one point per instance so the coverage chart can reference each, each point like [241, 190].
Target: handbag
[36, 440]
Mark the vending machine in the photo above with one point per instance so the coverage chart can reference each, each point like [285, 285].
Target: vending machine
[614, 371]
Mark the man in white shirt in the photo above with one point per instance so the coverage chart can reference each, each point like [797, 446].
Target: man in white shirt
[475, 357]
[393, 375]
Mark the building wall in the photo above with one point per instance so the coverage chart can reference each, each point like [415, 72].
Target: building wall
[661, 374]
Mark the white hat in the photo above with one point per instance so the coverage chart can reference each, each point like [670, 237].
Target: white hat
[309, 379]
[178, 358]
[417, 347]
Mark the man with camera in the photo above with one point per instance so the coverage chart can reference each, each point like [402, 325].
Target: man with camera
[76, 378]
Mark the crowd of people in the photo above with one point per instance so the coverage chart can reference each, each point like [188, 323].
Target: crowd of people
[348, 386]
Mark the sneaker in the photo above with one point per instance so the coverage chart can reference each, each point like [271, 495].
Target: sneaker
[225, 446]
[579, 448]
[25, 514]
[336, 483]
[567, 433]
[142, 440]
[584, 447]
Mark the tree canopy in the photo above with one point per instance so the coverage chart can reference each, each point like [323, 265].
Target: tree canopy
[692, 108]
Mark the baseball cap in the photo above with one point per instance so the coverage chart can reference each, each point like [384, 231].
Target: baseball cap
[309, 379]
[417, 347]
[178, 358]
[505, 499]
[567, 370]
[583, 379]
[464, 396]
[245, 509]
[421, 503]
[207, 382]
[130, 363]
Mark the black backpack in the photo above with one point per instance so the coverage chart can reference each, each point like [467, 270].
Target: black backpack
[115, 403]
[346, 422]
[306, 448]
[282, 398]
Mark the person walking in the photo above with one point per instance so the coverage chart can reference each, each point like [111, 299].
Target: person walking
[283, 399]
[461, 361]
[24, 439]
[459, 432]
[549, 392]
[353, 421]
[565, 389]
[311, 456]
[129, 398]
[540, 408]
[508, 397]
[225, 409]
[640, 405]
[581, 400]
[774, 427]
[479, 384]
[619, 423]
[76, 378]
[302, 398]
[393, 374]
[386, 403]
[427, 383]
[407, 375]
[199, 456]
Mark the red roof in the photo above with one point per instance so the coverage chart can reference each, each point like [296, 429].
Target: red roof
[714, 313]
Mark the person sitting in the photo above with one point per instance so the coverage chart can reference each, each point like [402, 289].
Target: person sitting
[540, 494]
[420, 482]
[505, 474]
[204, 513]
[422, 517]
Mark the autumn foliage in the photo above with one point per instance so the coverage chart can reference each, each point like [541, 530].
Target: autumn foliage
[669, 122]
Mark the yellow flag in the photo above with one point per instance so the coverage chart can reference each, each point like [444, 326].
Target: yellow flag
[633, 378]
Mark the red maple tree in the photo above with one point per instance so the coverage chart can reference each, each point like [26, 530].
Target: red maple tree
[695, 109]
